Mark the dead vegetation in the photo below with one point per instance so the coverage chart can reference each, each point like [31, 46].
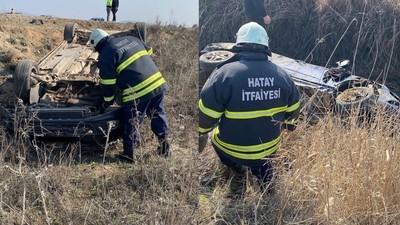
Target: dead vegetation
[344, 174]
[329, 173]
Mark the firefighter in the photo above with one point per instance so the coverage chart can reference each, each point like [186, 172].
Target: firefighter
[108, 8]
[125, 62]
[255, 12]
[245, 104]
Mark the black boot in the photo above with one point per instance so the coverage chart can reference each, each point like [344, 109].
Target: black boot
[163, 147]
[237, 187]
[128, 154]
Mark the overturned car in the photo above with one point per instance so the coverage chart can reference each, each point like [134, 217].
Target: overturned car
[58, 97]
[333, 88]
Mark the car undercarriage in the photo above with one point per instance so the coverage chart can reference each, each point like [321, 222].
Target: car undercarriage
[58, 98]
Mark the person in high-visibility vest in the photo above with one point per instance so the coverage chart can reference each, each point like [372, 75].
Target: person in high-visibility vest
[108, 8]
[245, 104]
[125, 62]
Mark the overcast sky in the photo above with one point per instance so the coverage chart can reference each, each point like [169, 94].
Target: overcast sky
[180, 12]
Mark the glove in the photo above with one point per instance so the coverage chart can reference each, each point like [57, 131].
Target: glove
[103, 108]
[203, 138]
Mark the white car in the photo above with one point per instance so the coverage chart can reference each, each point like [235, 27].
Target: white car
[329, 88]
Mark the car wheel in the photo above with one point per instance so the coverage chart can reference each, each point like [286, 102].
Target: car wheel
[358, 100]
[69, 31]
[22, 76]
[210, 60]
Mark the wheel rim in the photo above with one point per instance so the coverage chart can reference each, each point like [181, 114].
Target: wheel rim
[352, 95]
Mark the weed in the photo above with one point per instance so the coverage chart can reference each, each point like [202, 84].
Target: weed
[47, 44]
[5, 56]
[23, 41]
[12, 40]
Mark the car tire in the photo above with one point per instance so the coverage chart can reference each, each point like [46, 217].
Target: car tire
[357, 100]
[69, 31]
[22, 79]
[202, 78]
[210, 60]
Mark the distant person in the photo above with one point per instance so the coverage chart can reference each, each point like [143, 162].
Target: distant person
[114, 9]
[256, 12]
[12, 11]
[125, 62]
[108, 8]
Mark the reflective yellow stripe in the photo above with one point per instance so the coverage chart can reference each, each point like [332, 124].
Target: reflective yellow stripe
[108, 99]
[204, 130]
[209, 112]
[144, 91]
[249, 148]
[254, 114]
[247, 156]
[130, 60]
[150, 51]
[108, 81]
[144, 83]
[293, 107]
[293, 121]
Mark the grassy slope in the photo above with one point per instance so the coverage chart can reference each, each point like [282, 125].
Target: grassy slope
[94, 188]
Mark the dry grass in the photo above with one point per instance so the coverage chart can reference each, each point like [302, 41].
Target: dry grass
[331, 172]
[71, 184]
[344, 174]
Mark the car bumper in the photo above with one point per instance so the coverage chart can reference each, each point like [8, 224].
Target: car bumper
[65, 124]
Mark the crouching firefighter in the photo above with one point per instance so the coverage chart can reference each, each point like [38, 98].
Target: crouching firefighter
[245, 103]
[125, 62]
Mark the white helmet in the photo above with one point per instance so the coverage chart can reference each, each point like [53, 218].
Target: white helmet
[252, 33]
[96, 36]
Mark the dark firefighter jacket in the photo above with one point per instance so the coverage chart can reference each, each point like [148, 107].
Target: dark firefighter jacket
[245, 103]
[255, 10]
[125, 62]
[115, 4]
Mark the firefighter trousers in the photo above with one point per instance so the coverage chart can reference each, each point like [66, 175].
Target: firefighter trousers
[134, 115]
[262, 169]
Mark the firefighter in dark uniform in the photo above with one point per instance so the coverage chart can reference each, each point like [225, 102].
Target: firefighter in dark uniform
[125, 62]
[246, 103]
[114, 9]
[255, 12]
